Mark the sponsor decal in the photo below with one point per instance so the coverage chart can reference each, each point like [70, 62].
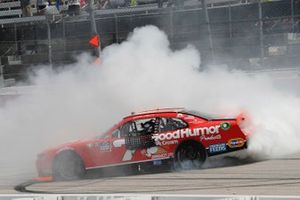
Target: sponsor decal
[225, 126]
[195, 121]
[159, 156]
[179, 115]
[152, 152]
[155, 152]
[90, 145]
[168, 142]
[104, 146]
[157, 162]
[212, 137]
[236, 142]
[203, 132]
[189, 117]
[217, 148]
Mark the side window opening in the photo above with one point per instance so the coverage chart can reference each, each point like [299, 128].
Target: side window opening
[178, 123]
[171, 124]
[138, 134]
[125, 129]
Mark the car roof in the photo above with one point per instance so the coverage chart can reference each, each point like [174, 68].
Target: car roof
[155, 111]
[202, 115]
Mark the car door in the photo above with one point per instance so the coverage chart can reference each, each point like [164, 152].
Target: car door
[112, 149]
[165, 144]
[100, 150]
[130, 142]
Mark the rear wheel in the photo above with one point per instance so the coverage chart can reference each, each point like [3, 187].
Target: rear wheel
[189, 155]
[68, 166]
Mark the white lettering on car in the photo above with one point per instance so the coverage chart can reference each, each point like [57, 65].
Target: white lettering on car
[212, 137]
[205, 133]
[169, 142]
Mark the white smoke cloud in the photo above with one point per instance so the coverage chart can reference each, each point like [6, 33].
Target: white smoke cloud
[142, 73]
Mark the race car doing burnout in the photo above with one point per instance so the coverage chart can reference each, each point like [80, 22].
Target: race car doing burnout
[176, 136]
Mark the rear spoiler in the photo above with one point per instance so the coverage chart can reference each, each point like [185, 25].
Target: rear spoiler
[239, 119]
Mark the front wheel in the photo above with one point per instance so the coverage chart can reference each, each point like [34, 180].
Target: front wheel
[189, 155]
[68, 166]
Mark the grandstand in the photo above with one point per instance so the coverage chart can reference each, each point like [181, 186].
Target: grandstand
[12, 8]
[240, 33]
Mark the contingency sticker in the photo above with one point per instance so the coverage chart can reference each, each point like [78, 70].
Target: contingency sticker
[104, 146]
[217, 148]
[225, 126]
[236, 142]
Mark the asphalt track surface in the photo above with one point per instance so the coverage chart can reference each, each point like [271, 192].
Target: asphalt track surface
[224, 176]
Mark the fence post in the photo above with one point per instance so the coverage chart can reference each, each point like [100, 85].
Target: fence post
[116, 28]
[230, 21]
[16, 36]
[1, 76]
[49, 44]
[93, 26]
[171, 24]
[64, 34]
[207, 21]
[293, 15]
[261, 33]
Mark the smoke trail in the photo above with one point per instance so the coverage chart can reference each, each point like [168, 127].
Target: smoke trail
[142, 73]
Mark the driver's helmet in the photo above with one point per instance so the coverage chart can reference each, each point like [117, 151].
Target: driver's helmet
[149, 126]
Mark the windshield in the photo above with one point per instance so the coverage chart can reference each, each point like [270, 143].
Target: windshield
[106, 134]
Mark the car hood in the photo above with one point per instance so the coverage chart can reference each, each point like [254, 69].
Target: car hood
[68, 145]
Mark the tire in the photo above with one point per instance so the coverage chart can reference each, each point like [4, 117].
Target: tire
[189, 155]
[68, 166]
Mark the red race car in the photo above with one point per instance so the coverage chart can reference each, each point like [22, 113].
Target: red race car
[178, 136]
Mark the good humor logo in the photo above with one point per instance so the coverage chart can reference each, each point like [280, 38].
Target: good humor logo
[204, 132]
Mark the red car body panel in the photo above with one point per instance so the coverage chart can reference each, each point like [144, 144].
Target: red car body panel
[217, 136]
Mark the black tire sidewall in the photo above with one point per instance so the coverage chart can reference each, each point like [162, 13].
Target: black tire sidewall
[68, 166]
[192, 164]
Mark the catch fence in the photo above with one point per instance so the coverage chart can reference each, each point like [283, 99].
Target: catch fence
[242, 34]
